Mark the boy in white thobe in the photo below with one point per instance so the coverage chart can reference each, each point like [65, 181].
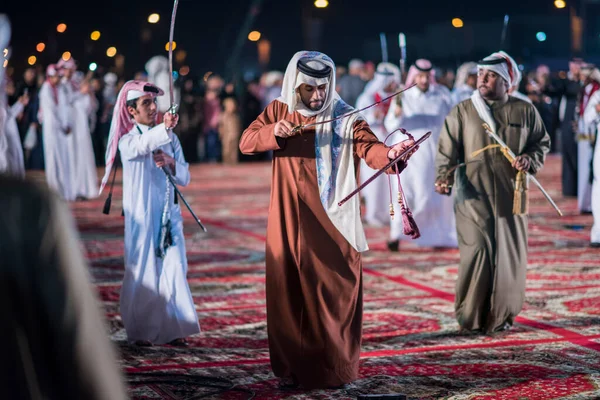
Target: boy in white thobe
[156, 303]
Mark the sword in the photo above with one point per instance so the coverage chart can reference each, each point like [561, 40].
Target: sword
[300, 127]
[173, 107]
[172, 110]
[402, 45]
[382, 170]
[504, 31]
[533, 178]
[384, 52]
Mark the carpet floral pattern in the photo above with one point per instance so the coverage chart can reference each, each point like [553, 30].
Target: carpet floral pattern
[411, 343]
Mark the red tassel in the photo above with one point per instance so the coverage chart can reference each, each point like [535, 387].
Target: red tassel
[409, 224]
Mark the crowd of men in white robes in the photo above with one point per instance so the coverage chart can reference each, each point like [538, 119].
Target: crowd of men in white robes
[423, 108]
[66, 107]
[65, 112]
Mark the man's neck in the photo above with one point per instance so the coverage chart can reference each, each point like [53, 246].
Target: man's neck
[496, 99]
[145, 126]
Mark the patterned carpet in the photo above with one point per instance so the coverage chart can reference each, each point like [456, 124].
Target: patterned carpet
[410, 344]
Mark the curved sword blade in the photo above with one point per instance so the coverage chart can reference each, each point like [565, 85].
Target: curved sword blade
[171, 32]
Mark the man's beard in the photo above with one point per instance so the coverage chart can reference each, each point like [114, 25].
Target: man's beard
[488, 93]
[316, 106]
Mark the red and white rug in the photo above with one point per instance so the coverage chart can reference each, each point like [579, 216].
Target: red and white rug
[410, 345]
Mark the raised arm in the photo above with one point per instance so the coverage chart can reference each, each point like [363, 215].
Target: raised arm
[133, 145]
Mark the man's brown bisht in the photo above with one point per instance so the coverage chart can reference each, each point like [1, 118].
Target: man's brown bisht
[313, 261]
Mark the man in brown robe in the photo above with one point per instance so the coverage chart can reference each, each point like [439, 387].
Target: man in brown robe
[313, 262]
[490, 290]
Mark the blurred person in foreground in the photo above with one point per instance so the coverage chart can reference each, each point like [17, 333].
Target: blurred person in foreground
[55, 344]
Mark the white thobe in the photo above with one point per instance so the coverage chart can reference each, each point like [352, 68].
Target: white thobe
[55, 120]
[595, 234]
[434, 214]
[15, 165]
[591, 120]
[156, 302]
[376, 194]
[85, 180]
[70, 95]
[461, 93]
[584, 157]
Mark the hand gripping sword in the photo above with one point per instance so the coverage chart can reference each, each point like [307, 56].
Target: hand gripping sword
[530, 176]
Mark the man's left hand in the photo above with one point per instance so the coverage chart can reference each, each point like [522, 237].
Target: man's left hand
[399, 148]
[522, 163]
[162, 159]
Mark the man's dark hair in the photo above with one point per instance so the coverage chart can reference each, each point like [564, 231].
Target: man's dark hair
[131, 103]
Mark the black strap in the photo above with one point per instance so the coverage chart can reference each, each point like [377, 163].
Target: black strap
[495, 61]
[107, 203]
[315, 73]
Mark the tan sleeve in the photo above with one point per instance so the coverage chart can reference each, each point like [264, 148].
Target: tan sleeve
[538, 142]
[368, 147]
[259, 136]
[449, 145]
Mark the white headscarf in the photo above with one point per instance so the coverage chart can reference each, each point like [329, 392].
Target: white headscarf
[463, 72]
[272, 77]
[421, 65]
[334, 145]
[507, 69]
[385, 74]
[294, 78]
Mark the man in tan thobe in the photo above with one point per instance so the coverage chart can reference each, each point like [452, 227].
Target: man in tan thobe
[490, 289]
[313, 261]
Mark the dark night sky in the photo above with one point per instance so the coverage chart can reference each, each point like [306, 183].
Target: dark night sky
[207, 29]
